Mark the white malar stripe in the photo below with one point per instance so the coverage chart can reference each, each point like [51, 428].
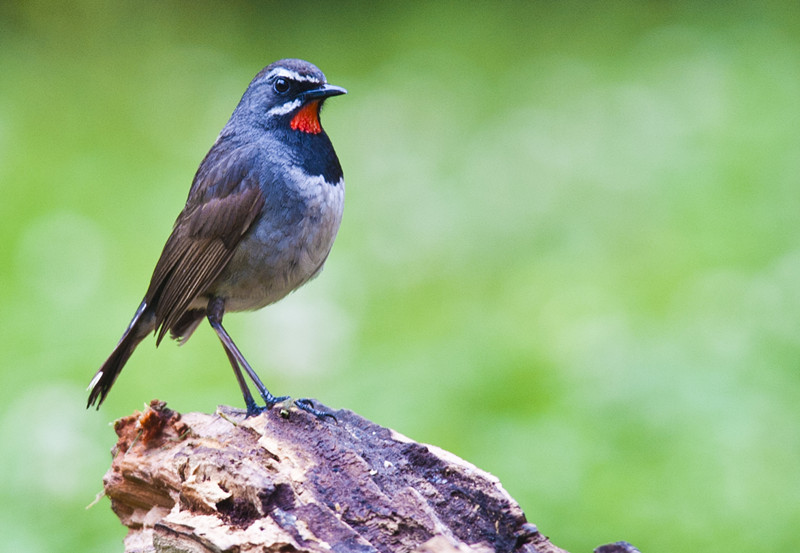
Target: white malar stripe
[293, 75]
[285, 108]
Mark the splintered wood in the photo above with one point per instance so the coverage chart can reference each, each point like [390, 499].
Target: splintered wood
[286, 481]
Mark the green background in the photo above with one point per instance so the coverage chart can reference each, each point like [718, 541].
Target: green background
[569, 253]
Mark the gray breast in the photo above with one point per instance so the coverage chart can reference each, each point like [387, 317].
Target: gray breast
[286, 248]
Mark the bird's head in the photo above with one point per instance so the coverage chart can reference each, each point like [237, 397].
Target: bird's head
[287, 94]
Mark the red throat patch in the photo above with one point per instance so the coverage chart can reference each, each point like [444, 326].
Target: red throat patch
[307, 119]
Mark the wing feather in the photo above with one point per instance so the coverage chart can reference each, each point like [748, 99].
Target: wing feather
[203, 240]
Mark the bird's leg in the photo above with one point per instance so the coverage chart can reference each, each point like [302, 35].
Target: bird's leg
[214, 312]
[252, 407]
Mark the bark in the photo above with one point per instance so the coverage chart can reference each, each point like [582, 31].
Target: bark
[287, 481]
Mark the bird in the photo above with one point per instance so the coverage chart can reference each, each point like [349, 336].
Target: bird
[260, 219]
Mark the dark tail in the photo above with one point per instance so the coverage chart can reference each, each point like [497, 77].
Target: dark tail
[101, 384]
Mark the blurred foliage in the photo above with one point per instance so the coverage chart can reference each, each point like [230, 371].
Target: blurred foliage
[569, 254]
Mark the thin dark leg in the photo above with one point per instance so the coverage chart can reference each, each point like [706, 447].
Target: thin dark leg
[252, 407]
[216, 308]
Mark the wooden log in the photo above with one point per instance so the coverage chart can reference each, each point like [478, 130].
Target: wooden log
[285, 481]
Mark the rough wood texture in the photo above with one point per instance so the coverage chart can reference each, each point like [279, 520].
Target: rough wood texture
[285, 481]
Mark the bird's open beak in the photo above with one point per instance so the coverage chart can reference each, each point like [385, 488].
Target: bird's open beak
[324, 91]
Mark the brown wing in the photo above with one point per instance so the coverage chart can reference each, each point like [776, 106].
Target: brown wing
[202, 242]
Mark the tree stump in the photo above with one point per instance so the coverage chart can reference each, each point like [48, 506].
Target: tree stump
[285, 481]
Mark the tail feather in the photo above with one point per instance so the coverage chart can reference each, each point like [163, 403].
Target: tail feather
[138, 328]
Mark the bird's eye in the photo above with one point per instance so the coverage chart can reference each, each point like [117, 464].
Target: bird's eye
[281, 85]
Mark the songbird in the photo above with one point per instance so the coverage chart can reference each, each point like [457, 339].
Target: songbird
[260, 220]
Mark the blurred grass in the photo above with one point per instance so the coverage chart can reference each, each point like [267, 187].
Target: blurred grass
[569, 254]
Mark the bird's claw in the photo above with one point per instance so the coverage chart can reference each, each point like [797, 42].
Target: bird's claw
[308, 406]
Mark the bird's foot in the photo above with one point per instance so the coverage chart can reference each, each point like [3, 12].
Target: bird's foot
[308, 406]
[271, 401]
[254, 409]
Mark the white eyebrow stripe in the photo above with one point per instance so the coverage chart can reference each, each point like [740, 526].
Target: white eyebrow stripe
[293, 75]
[285, 108]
